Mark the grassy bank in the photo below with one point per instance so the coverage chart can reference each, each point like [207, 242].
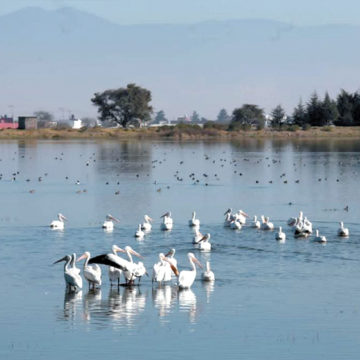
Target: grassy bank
[182, 132]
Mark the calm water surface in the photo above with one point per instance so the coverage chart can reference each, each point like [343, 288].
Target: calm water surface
[294, 300]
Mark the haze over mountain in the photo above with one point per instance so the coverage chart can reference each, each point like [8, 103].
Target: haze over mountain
[58, 59]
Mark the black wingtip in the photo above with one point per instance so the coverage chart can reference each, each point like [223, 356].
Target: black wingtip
[104, 260]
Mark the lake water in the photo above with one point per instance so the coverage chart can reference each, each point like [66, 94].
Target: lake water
[296, 300]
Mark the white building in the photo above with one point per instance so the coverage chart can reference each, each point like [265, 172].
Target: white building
[76, 123]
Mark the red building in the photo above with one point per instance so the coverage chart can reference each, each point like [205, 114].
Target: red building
[7, 123]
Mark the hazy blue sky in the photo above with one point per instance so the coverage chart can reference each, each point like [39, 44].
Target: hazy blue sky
[302, 12]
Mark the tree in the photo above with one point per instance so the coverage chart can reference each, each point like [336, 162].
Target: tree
[314, 111]
[330, 111]
[248, 114]
[356, 108]
[44, 118]
[299, 115]
[160, 117]
[124, 106]
[278, 115]
[345, 108]
[89, 122]
[223, 116]
[195, 118]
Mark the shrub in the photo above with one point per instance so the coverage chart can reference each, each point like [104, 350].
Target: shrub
[306, 127]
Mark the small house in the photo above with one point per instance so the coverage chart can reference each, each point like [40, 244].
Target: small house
[27, 122]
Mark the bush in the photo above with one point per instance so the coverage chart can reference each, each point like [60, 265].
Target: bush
[293, 127]
[214, 125]
[236, 126]
[327, 128]
[306, 127]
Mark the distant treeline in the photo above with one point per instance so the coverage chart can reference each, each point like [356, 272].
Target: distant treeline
[342, 111]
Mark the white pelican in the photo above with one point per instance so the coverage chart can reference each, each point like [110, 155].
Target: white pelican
[92, 273]
[167, 223]
[73, 263]
[280, 236]
[115, 273]
[73, 279]
[318, 238]
[344, 232]
[204, 243]
[228, 217]
[58, 224]
[186, 277]
[266, 225]
[146, 225]
[198, 236]
[256, 223]
[208, 275]
[161, 270]
[133, 270]
[139, 233]
[235, 224]
[241, 217]
[295, 221]
[109, 222]
[193, 221]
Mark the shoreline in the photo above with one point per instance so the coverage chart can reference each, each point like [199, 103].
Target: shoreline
[179, 134]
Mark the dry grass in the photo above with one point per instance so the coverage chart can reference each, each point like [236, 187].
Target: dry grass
[187, 132]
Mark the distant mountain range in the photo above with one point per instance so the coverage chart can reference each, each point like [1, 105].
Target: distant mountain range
[53, 60]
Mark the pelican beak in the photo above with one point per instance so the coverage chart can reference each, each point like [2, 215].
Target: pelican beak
[136, 254]
[173, 268]
[83, 256]
[62, 259]
[197, 262]
[150, 219]
[244, 214]
[168, 253]
[119, 249]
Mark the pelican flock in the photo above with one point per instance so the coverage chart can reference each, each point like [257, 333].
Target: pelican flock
[166, 268]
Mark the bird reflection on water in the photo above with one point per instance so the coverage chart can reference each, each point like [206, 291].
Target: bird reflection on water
[124, 305]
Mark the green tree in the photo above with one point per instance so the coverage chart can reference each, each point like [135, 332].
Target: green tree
[314, 111]
[330, 111]
[345, 108]
[160, 117]
[356, 108]
[278, 115]
[44, 118]
[195, 118]
[223, 116]
[248, 114]
[299, 116]
[124, 106]
[89, 122]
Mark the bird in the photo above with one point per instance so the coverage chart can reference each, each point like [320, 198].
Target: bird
[167, 223]
[115, 273]
[235, 224]
[241, 217]
[73, 264]
[198, 236]
[344, 232]
[161, 270]
[133, 270]
[228, 217]
[170, 256]
[255, 223]
[318, 238]
[204, 243]
[109, 222]
[92, 273]
[72, 278]
[280, 235]
[139, 233]
[146, 225]
[208, 275]
[58, 224]
[193, 221]
[266, 225]
[187, 277]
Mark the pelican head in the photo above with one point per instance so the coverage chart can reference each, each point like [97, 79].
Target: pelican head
[206, 237]
[341, 224]
[228, 211]
[148, 218]
[193, 259]
[116, 249]
[133, 252]
[66, 258]
[61, 217]
[168, 214]
[170, 253]
[109, 217]
[85, 255]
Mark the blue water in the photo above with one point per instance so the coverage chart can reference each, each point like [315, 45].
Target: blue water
[294, 300]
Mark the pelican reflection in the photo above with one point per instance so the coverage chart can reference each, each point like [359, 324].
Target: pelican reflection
[164, 298]
[72, 303]
[187, 303]
[92, 303]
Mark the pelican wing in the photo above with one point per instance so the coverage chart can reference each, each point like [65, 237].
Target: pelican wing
[110, 260]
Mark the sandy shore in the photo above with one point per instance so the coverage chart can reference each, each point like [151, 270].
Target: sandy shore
[174, 133]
